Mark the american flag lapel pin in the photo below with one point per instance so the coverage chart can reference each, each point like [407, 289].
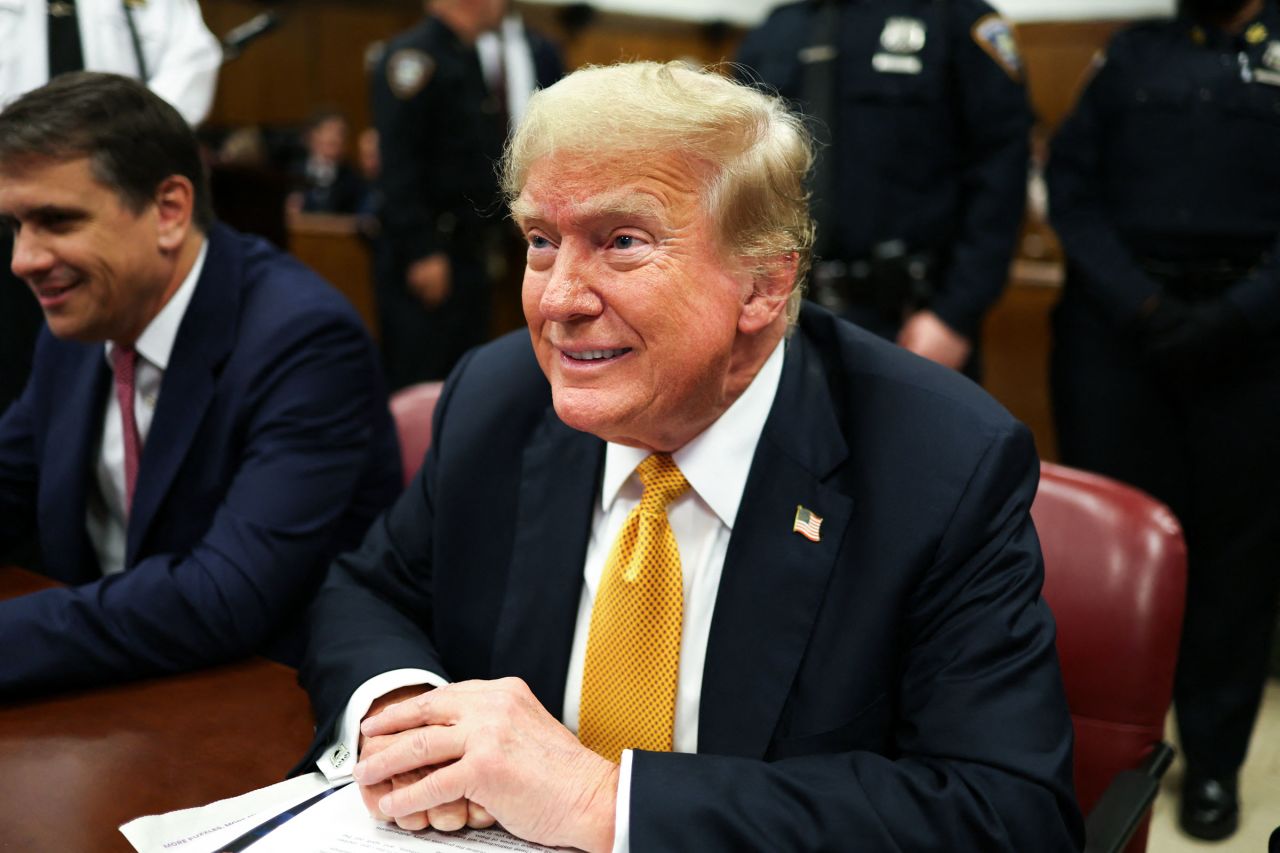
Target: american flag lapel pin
[808, 524]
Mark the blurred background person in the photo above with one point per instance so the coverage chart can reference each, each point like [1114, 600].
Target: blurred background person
[164, 43]
[919, 189]
[440, 132]
[1165, 189]
[516, 60]
[326, 182]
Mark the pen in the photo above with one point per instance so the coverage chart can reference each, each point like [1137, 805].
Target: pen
[257, 833]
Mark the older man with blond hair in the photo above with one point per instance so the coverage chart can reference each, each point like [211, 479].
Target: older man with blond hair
[688, 567]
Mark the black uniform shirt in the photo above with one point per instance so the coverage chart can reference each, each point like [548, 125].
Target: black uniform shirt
[929, 137]
[440, 133]
[1173, 153]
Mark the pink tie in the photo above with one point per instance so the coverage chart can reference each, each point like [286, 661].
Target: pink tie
[123, 361]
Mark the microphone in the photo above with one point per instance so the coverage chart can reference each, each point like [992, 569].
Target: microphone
[234, 42]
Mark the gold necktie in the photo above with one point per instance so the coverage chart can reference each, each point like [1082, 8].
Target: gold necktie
[633, 647]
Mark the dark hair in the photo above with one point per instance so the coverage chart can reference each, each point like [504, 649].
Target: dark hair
[132, 137]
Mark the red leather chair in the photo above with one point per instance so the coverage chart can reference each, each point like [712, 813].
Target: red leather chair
[1115, 579]
[412, 408]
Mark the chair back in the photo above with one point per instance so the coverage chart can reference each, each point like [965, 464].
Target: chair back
[1115, 579]
[412, 408]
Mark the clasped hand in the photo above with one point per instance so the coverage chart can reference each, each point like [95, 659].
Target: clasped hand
[478, 751]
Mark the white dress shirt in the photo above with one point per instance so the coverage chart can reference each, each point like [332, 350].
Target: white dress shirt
[182, 56]
[716, 464]
[507, 51]
[106, 518]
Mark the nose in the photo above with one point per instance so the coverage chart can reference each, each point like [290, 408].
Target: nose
[568, 294]
[30, 258]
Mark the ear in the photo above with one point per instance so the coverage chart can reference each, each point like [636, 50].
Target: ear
[773, 279]
[175, 203]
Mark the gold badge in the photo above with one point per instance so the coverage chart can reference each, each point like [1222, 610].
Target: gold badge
[408, 70]
[1256, 34]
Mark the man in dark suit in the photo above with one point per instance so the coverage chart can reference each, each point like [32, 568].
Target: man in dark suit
[190, 503]
[810, 619]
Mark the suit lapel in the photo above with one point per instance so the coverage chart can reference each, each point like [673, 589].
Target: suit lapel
[774, 579]
[74, 432]
[204, 340]
[559, 476]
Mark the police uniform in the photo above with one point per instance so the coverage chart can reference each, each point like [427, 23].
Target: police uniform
[440, 134]
[1165, 189]
[181, 56]
[920, 194]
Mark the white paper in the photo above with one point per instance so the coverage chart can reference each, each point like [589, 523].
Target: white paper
[336, 824]
[340, 824]
[195, 829]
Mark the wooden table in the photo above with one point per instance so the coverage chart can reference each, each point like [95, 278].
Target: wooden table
[75, 766]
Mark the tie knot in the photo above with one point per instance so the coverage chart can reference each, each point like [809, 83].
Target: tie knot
[123, 360]
[662, 480]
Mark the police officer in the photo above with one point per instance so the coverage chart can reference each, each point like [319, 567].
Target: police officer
[1165, 189]
[440, 132]
[919, 192]
[164, 42]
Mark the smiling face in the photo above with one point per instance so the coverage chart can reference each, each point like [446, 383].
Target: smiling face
[97, 268]
[645, 327]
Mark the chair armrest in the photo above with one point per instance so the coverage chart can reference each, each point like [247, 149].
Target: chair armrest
[1126, 801]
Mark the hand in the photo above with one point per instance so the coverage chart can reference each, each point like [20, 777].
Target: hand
[1189, 341]
[447, 817]
[492, 743]
[925, 334]
[430, 279]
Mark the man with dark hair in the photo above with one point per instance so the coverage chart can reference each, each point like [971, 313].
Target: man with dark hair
[1165, 190]
[189, 505]
[165, 43]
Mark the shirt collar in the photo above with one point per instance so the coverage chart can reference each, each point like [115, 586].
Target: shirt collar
[155, 344]
[716, 462]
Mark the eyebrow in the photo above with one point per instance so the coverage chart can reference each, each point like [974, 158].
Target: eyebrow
[637, 205]
[46, 213]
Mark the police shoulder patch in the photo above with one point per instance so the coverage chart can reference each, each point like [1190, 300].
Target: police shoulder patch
[993, 34]
[408, 70]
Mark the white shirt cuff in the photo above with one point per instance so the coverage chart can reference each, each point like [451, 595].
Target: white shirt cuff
[622, 808]
[338, 759]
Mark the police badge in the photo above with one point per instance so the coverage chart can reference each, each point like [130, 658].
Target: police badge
[903, 35]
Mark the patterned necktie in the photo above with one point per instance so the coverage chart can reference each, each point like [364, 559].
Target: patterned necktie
[633, 647]
[123, 362]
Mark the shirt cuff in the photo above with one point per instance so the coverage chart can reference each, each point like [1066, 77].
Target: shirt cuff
[339, 757]
[622, 807]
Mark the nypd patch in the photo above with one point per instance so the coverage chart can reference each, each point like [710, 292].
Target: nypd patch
[993, 34]
[408, 70]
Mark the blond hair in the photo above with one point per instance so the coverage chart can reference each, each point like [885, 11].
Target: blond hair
[755, 151]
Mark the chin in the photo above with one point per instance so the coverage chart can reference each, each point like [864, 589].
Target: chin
[586, 411]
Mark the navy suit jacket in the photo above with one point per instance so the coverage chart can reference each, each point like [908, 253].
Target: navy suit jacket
[893, 686]
[271, 449]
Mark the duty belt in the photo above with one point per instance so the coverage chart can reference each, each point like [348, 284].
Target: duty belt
[892, 284]
[1200, 278]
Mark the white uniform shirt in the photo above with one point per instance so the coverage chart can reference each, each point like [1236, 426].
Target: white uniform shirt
[182, 56]
[716, 464]
[105, 518]
[507, 50]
